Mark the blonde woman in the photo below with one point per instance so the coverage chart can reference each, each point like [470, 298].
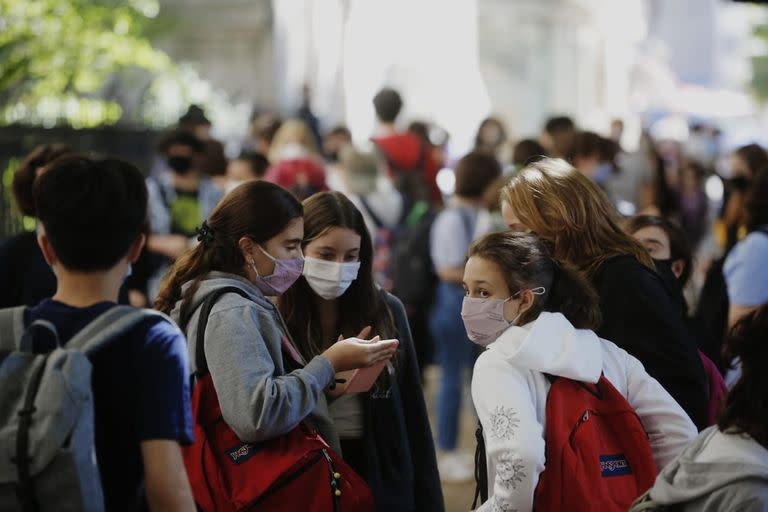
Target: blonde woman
[575, 218]
[295, 161]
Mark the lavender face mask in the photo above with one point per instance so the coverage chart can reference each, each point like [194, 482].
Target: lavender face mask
[286, 273]
[484, 318]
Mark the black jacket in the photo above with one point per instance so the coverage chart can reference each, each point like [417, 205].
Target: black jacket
[25, 277]
[640, 316]
[399, 448]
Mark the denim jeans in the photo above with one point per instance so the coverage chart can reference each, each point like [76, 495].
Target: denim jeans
[454, 352]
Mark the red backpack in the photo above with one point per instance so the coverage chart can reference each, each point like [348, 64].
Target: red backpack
[717, 389]
[597, 453]
[295, 471]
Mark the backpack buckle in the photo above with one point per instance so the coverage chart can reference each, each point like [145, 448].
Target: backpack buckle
[28, 411]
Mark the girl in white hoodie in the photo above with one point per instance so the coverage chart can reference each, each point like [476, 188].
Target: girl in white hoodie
[534, 316]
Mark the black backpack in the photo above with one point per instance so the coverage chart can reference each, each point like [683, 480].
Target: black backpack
[710, 323]
[413, 274]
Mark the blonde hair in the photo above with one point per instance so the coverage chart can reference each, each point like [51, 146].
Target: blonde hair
[292, 131]
[569, 211]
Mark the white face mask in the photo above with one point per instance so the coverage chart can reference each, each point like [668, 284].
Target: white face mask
[330, 279]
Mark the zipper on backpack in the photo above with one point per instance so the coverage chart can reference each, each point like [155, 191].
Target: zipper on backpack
[335, 477]
[585, 417]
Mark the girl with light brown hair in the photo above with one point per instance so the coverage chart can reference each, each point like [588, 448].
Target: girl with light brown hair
[296, 164]
[574, 217]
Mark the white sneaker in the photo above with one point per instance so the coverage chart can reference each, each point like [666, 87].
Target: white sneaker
[453, 467]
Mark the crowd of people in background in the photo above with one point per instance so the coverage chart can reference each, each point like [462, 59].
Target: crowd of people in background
[557, 269]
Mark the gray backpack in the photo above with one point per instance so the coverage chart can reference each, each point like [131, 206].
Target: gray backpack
[47, 452]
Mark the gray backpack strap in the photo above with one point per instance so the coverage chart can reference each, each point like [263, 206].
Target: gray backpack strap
[109, 326]
[27, 339]
[11, 327]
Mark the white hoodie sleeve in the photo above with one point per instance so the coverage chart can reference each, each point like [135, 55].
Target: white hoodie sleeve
[669, 428]
[514, 440]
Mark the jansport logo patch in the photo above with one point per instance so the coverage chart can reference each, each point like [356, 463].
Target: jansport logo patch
[614, 465]
[242, 453]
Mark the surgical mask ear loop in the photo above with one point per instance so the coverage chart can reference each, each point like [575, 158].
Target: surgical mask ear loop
[252, 263]
[540, 290]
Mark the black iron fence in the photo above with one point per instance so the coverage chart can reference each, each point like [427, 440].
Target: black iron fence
[134, 145]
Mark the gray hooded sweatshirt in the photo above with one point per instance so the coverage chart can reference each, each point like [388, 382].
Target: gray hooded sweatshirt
[717, 472]
[259, 400]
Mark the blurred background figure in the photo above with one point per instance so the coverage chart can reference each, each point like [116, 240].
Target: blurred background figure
[362, 177]
[295, 160]
[693, 201]
[491, 137]
[263, 130]
[617, 131]
[558, 135]
[526, 151]
[249, 166]
[409, 158]
[180, 198]
[212, 162]
[333, 142]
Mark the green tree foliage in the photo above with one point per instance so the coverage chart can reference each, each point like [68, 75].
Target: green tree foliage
[57, 55]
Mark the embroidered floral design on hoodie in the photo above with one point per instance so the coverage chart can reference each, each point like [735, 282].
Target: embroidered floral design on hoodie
[504, 423]
[498, 506]
[510, 470]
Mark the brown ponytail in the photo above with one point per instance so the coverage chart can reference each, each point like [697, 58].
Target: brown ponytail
[572, 295]
[258, 210]
[526, 263]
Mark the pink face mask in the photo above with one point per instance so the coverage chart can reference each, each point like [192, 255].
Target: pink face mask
[484, 318]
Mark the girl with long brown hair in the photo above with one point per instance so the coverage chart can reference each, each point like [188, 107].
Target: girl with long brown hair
[726, 467]
[574, 217]
[385, 433]
[252, 242]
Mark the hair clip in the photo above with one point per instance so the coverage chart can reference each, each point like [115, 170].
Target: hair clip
[204, 234]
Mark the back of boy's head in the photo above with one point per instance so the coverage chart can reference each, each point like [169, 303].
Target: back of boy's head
[257, 161]
[475, 172]
[92, 210]
[559, 124]
[388, 104]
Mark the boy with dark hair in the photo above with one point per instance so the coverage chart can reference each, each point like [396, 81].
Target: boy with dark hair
[388, 104]
[249, 166]
[409, 159]
[558, 135]
[92, 216]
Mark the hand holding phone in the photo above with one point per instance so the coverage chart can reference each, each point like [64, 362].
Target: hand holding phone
[353, 353]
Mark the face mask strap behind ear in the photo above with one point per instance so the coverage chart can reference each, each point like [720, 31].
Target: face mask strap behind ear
[540, 290]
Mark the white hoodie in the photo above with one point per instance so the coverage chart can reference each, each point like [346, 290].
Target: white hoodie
[509, 391]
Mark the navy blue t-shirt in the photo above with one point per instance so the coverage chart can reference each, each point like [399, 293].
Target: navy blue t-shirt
[140, 393]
